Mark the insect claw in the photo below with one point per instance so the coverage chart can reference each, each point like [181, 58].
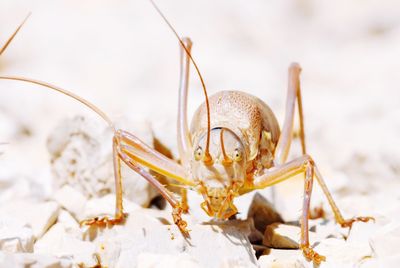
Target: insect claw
[103, 221]
[177, 217]
[349, 222]
[313, 256]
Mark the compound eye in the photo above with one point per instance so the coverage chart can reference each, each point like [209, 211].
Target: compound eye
[237, 155]
[198, 153]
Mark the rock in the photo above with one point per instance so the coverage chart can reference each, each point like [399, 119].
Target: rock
[327, 228]
[385, 242]
[278, 235]
[14, 237]
[148, 260]
[279, 258]
[227, 262]
[23, 260]
[388, 261]
[81, 156]
[340, 253]
[61, 244]
[70, 199]
[263, 213]
[104, 206]
[362, 231]
[209, 245]
[67, 221]
[40, 216]
[255, 236]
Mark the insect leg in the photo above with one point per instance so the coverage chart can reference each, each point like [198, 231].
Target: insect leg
[150, 158]
[184, 143]
[305, 165]
[294, 93]
[277, 174]
[138, 156]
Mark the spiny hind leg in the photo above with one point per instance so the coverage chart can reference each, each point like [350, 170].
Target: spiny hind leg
[119, 214]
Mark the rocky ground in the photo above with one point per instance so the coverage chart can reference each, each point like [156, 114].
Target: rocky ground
[55, 172]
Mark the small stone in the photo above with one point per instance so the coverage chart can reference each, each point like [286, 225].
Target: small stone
[70, 199]
[279, 258]
[40, 216]
[385, 242]
[209, 245]
[14, 237]
[278, 235]
[52, 240]
[97, 207]
[362, 231]
[149, 260]
[340, 253]
[67, 220]
[61, 244]
[33, 261]
[263, 213]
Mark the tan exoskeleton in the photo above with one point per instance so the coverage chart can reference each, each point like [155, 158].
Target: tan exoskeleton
[234, 146]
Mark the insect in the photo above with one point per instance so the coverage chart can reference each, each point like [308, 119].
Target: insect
[234, 146]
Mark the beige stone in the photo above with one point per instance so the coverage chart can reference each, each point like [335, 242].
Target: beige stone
[280, 235]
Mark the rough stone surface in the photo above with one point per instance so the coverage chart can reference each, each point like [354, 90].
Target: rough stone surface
[70, 199]
[39, 216]
[104, 206]
[24, 260]
[385, 242]
[279, 258]
[14, 236]
[81, 153]
[61, 244]
[209, 245]
[148, 260]
[340, 253]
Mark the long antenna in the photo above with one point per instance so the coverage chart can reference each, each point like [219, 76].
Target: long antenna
[65, 92]
[207, 156]
[4, 47]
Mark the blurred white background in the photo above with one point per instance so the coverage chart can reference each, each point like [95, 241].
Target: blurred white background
[121, 56]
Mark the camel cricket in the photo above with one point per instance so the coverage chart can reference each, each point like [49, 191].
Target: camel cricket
[233, 146]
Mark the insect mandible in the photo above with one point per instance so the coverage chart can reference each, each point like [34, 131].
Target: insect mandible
[234, 146]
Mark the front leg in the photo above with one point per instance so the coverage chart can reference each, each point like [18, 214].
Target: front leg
[137, 155]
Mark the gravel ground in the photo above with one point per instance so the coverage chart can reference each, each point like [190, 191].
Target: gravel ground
[122, 57]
